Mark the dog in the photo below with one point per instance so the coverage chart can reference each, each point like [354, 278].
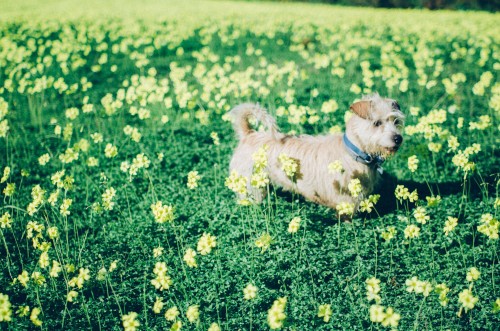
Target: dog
[372, 133]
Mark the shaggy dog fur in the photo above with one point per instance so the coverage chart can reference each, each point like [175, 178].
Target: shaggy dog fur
[375, 128]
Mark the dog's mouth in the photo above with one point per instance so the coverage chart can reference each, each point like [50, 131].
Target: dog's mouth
[391, 150]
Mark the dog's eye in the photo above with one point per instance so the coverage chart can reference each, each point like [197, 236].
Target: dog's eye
[398, 122]
[377, 123]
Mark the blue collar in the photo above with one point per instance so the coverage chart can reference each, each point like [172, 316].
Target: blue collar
[362, 157]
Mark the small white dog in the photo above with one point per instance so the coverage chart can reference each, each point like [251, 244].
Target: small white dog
[372, 133]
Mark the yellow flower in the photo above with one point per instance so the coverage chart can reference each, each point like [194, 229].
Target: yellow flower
[288, 165]
[294, 225]
[44, 260]
[35, 312]
[44, 159]
[335, 129]
[236, 183]
[5, 308]
[355, 89]
[412, 231]
[329, 106]
[64, 208]
[412, 284]
[496, 306]
[78, 281]
[158, 305]
[354, 187]
[55, 270]
[70, 268]
[134, 133]
[335, 167]
[433, 201]
[53, 232]
[193, 313]
[160, 268]
[260, 159]
[129, 321]
[391, 318]
[5, 220]
[23, 278]
[157, 252]
[483, 123]
[426, 288]
[23, 311]
[215, 138]
[101, 274]
[71, 295]
[401, 193]
[113, 265]
[453, 143]
[442, 290]
[162, 213]
[9, 189]
[276, 315]
[107, 198]
[345, 208]
[434, 147]
[96, 137]
[421, 215]
[190, 258]
[489, 226]
[162, 281]
[377, 314]
[214, 327]
[193, 178]
[110, 151]
[72, 113]
[366, 206]
[325, 311]
[244, 202]
[414, 111]
[57, 130]
[69, 155]
[172, 313]
[467, 300]
[373, 289]
[413, 163]
[206, 243]
[450, 225]
[259, 179]
[250, 292]
[4, 128]
[473, 274]
[389, 233]
[176, 326]
[263, 242]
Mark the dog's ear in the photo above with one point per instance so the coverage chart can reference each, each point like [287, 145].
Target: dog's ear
[361, 108]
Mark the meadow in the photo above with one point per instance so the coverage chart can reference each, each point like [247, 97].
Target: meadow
[118, 210]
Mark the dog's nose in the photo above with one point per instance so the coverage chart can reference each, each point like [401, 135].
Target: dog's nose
[398, 139]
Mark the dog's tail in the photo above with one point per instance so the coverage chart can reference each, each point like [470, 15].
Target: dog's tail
[241, 114]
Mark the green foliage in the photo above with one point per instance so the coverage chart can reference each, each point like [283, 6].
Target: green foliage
[429, 4]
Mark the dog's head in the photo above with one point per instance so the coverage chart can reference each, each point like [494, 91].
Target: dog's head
[377, 125]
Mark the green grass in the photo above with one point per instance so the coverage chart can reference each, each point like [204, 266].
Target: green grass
[209, 57]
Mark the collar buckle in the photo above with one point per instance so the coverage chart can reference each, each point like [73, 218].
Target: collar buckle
[362, 157]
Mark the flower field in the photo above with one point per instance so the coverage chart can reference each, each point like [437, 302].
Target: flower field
[118, 210]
